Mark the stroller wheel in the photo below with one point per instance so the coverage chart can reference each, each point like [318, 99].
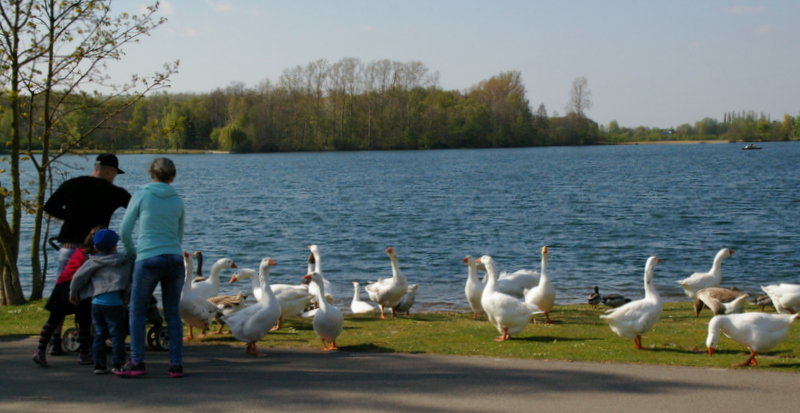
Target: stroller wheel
[70, 340]
[151, 338]
[162, 338]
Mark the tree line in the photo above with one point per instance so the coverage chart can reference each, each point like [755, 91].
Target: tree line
[378, 105]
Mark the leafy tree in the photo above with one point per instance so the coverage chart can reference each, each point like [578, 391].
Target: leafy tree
[51, 51]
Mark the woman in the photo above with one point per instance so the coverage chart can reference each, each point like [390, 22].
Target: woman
[159, 259]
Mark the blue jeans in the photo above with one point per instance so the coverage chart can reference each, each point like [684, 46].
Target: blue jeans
[109, 321]
[169, 271]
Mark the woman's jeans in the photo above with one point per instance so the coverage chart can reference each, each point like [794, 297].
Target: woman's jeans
[169, 271]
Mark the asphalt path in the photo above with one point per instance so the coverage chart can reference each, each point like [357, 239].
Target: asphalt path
[225, 379]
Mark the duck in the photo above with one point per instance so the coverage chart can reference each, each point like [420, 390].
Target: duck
[594, 298]
[638, 317]
[195, 310]
[474, 287]
[292, 298]
[712, 278]
[758, 332]
[387, 292]
[509, 314]
[209, 287]
[254, 321]
[328, 321]
[720, 300]
[615, 300]
[785, 297]
[358, 306]
[315, 258]
[762, 301]
[407, 301]
[543, 295]
[227, 304]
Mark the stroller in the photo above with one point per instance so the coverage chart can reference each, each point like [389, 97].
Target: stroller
[157, 337]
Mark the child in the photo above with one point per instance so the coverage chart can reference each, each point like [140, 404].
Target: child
[60, 306]
[105, 277]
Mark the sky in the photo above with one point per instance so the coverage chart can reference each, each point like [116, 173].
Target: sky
[648, 62]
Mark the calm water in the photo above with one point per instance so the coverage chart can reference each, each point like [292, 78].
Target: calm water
[600, 210]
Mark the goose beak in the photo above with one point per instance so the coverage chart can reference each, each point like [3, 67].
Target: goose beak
[731, 251]
[389, 250]
[233, 265]
[710, 352]
[465, 260]
[271, 262]
[478, 261]
[658, 260]
[233, 279]
[307, 277]
[185, 254]
[544, 250]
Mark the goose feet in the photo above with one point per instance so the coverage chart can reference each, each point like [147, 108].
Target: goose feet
[751, 361]
[504, 336]
[251, 349]
[330, 347]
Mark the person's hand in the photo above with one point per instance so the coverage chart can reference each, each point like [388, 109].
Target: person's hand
[73, 300]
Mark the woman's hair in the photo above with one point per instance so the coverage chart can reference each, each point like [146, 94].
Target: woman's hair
[88, 243]
[163, 169]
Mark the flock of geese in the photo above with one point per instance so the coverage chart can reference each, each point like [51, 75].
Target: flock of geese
[510, 301]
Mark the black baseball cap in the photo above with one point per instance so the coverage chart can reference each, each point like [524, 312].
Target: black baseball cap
[108, 159]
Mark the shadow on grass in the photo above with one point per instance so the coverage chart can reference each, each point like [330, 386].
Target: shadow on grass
[367, 348]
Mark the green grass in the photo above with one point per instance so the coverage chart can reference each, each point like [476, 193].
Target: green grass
[578, 334]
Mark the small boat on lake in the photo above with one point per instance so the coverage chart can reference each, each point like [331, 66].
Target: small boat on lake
[750, 147]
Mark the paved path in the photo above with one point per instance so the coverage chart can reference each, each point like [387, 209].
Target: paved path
[223, 378]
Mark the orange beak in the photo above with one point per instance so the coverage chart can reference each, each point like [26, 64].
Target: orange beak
[233, 265]
[389, 250]
[731, 251]
[185, 254]
[478, 260]
[307, 277]
[271, 262]
[710, 352]
[465, 260]
[544, 250]
[233, 279]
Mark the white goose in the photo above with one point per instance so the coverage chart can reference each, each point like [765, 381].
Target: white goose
[544, 294]
[209, 287]
[317, 262]
[254, 322]
[515, 283]
[292, 298]
[508, 314]
[638, 317]
[757, 331]
[388, 291]
[785, 297]
[328, 320]
[195, 310]
[720, 301]
[407, 301]
[358, 306]
[712, 278]
[474, 288]
[248, 274]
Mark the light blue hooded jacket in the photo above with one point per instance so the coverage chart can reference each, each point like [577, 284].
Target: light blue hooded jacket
[159, 210]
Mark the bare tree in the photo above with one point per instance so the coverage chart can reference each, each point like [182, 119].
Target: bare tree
[580, 98]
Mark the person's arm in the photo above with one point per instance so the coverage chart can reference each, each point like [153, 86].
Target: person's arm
[128, 222]
[79, 280]
[56, 205]
[181, 221]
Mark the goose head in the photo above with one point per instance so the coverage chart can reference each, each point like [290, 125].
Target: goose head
[265, 266]
[487, 263]
[242, 274]
[316, 278]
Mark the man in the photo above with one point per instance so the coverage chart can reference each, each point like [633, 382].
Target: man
[83, 203]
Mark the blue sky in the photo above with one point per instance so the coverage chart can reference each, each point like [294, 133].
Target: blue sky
[648, 63]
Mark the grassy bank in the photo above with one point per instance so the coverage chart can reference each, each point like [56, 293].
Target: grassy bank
[578, 334]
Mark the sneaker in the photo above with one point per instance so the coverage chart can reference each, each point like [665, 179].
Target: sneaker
[39, 358]
[55, 348]
[175, 370]
[84, 359]
[116, 368]
[131, 370]
[98, 369]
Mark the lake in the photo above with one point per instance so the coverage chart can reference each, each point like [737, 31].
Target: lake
[600, 210]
